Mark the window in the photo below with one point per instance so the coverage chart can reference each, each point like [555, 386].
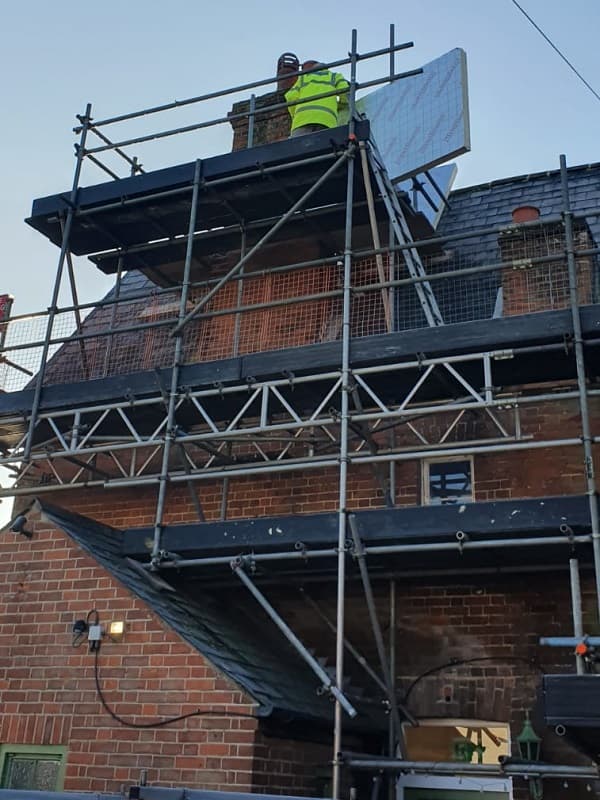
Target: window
[37, 767]
[467, 741]
[448, 481]
[423, 787]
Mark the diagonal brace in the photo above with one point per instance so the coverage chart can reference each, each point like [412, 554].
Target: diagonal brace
[294, 641]
[395, 707]
[348, 153]
[360, 659]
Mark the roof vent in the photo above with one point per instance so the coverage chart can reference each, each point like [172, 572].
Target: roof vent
[525, 214]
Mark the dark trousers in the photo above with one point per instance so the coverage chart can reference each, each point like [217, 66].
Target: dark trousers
[302, 129]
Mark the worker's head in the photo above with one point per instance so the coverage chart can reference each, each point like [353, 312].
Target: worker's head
[308, 65]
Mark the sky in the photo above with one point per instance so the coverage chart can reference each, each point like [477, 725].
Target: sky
[526, 106]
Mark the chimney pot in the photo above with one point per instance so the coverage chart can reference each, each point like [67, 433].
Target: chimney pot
[525, 214]
[286, 63]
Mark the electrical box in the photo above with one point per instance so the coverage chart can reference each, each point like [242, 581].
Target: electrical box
[95, 633]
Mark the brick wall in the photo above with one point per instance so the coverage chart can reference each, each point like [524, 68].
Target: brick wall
[447, 621]
[48, 695]
[540, 287]
[497, 476]
[271, 126]
[227, 333]
[499, 619]
[288, 767]
[47, 687]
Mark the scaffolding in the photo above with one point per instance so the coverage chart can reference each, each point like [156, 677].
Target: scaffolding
[175, 428]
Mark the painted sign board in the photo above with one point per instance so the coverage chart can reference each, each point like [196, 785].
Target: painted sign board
[422, 120]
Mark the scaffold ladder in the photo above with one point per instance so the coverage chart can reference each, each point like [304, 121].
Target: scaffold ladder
[403, 235]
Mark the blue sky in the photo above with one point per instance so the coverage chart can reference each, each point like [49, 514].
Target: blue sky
[526, 106]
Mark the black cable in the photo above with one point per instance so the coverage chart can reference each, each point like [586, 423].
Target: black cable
[462, 662]
[157, 723]
[554, 47]
[96, 618]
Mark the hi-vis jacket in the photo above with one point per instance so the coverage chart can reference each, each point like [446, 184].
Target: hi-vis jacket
[324, 110]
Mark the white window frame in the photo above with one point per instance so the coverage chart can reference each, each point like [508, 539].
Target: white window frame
[425, 464]
[464, 784]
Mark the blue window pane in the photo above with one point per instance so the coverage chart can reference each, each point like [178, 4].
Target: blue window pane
[449, 482]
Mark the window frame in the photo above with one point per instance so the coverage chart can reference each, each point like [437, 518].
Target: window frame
[36, 752]
[464, 784]
[425, 478]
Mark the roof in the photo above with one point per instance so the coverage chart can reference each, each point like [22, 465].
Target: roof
[473, 208]
[238, 639]
[490, 205]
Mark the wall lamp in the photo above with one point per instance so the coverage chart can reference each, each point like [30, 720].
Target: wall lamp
[116, 630]
[91, 629]
[530, 750]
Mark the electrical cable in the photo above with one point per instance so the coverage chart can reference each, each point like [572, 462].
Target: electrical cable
[555, 48]
[156, 723]
[462, 662]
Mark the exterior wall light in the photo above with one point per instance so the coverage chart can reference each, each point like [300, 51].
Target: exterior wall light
[91, 629]
[116, 629]
[530, 749]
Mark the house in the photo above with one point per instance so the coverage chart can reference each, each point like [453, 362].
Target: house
[335, 494]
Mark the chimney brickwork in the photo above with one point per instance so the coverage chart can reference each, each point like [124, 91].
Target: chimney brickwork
[272, 126]
[529, 287]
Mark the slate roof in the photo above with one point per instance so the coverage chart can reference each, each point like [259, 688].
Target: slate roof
[490, 205]
[234, 638]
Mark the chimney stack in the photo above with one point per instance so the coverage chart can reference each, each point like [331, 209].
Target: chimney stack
[274, 125]
[525, 214]
[529, 287]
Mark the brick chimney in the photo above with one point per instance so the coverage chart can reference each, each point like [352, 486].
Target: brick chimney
[272, 126]
[528, 287]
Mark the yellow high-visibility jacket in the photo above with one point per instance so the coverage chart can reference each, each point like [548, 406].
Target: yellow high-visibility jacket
[324, 110]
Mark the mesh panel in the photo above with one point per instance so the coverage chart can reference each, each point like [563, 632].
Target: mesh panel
[304, 307]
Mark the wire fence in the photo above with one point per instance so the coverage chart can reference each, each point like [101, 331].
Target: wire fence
[270, 311]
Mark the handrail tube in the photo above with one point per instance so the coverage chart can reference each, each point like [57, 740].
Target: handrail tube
[85, 212]
[241, 115]
[327, 261]
[504, 769]
[240, 88]
[586, 438]
[423, 547]
[363, 289]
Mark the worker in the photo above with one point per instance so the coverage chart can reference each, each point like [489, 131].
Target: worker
[322, 113]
